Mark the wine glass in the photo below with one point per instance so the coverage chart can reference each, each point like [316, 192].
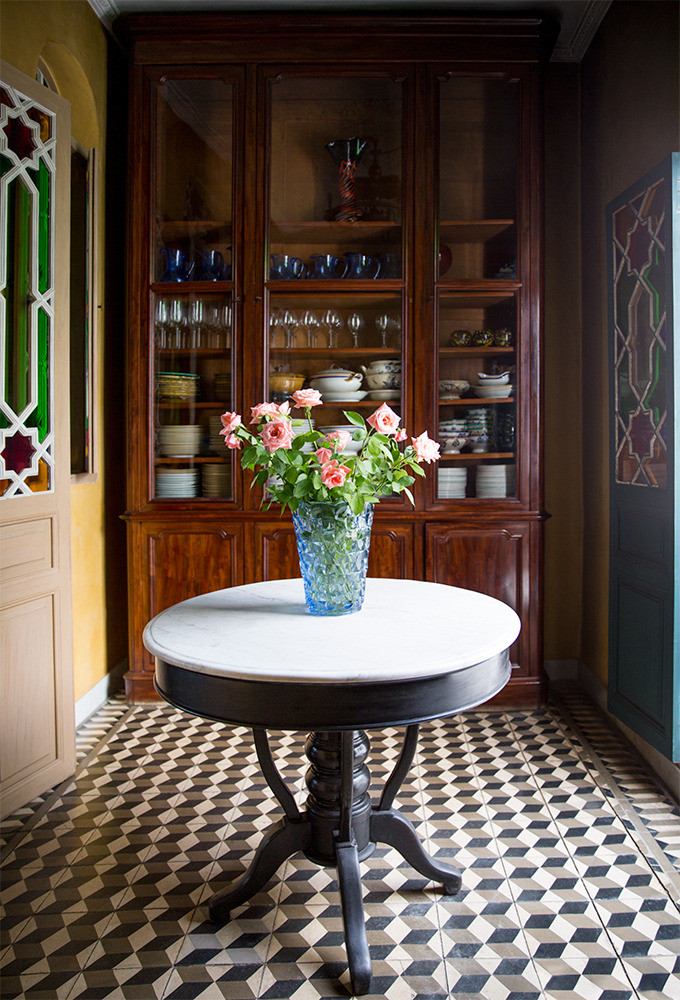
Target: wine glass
[382, 323]
[195, 322]
[225, 323]
[312, 323]
[354, 325]
[333, 321]
[290, 322]
[177, 320]
[162, 323]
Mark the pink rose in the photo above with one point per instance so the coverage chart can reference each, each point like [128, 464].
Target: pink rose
[230, 421]
[324, 455]
[401, 434]
[339, 439]
[427, 450]
[306, 397]
[263, 410]
[333, 475]
[231, 441]
[384, 420]
[277, 434]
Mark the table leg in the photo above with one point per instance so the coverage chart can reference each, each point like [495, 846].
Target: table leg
[393, 828]
[283, 840]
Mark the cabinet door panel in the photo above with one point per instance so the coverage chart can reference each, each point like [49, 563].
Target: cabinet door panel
[184, 563]
[491, 559]
[391, 552]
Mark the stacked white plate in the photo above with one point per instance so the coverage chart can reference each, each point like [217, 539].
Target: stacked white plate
[176, 482]
[179, 440]
[216, 479]
[344, 397]
[496, 481]
[177, 385]
[451, 483]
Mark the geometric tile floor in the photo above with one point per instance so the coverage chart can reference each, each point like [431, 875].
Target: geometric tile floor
[570, 853]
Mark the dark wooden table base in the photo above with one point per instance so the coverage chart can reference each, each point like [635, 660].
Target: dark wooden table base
[339, 828]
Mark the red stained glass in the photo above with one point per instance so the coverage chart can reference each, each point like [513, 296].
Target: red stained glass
[20, 138]
[18, 453]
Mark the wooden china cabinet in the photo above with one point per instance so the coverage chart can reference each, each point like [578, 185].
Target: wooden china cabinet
[314, 191]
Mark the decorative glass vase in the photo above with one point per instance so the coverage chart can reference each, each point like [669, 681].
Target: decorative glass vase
[333, 548]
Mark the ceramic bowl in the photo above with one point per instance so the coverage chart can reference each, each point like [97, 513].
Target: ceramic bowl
[285, 381]
[384, 380]
[336, 380]
[485, 379]
[382, 395]
[493, 391]
[344, 397]
[452, 387]
[381, 367]
[452, 445]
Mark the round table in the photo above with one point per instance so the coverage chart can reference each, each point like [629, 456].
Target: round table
[254, 656]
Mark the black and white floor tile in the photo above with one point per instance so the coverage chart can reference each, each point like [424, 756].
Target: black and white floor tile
[570, 852]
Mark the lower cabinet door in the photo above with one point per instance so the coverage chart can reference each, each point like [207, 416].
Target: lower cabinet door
[169, 564]
[502, 561]
[272, 552]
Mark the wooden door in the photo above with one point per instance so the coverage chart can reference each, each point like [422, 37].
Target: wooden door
[37, 735]
[644, 661]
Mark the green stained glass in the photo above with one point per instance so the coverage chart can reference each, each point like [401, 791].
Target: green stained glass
[41, 178]
[40, 415]
[17, 296]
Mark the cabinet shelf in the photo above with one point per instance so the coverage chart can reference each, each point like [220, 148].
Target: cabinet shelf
[473, 352]
[189, 286]
[476, 401]
[187, 404]
[179, 229]
[335, 285]
[335, 352]
[189, 460]
[472, 230]
[361, 232]
[201, 352]
[477, 294]
[469, 458]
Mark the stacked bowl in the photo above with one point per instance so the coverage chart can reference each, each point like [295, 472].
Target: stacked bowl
[496, 481]
[478, 428]
[493, 386]
[216, 479]
[176, 482]
[453, 435]
[451, 483]
[179, 440]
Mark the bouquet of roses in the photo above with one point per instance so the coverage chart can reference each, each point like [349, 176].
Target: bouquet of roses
[310, 466]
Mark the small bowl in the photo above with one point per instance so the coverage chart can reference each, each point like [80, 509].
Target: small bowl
[460, 338]
[285, 381]
[485, 379]
[384, 380]
[453, 388]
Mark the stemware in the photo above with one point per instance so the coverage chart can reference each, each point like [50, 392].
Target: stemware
[382, 323]
[177, 321]
[161, 323]
[225, 323]
[333, 321]
[196, 322]
[354, 324]
[311, 322]
[289, 322]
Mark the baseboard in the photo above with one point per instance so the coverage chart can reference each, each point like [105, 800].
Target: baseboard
[103, 689]
[667, 772]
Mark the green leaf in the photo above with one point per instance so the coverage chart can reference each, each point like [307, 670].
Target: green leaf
[357, 503]
[355, 418]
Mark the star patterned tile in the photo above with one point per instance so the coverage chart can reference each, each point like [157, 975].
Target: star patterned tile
[567, 848]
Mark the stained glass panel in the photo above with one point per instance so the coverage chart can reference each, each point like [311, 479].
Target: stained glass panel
[27, 137]
[639, 306]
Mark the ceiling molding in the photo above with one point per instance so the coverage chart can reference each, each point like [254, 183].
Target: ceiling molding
[579, 19]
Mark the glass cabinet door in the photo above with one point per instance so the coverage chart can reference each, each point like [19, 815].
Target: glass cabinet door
[335, 248]
[192, 292]
[478, 321]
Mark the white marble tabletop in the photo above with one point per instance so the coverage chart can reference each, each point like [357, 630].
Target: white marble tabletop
[263, 631]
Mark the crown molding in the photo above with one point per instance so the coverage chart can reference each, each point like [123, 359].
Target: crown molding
[573, 48]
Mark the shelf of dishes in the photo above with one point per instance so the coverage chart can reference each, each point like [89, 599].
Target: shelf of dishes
[482, 431]
[211, 480]
[483, 482]
[380, 380]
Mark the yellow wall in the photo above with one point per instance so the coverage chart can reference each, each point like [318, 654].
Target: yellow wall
[69, 37]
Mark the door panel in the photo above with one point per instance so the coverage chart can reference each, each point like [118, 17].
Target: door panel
[644, 661]
[37, 735]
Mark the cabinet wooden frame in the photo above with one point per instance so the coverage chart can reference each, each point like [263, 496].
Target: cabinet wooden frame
[489, 544]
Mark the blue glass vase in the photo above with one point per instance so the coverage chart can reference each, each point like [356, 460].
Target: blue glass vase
[333, 548]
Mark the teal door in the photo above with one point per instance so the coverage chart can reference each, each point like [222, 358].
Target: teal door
[644, 636]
